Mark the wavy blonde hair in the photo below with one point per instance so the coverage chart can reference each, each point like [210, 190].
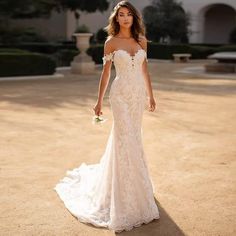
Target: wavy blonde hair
[137, 27]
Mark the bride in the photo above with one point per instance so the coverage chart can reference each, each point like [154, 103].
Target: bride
[117, 192]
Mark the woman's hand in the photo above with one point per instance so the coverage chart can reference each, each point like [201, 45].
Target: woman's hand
[98, 109]
[152, 104]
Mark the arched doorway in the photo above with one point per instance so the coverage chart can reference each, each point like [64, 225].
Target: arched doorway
[219, 20]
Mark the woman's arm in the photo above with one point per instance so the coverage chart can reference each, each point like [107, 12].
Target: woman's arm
[104, 78]
[152, 103]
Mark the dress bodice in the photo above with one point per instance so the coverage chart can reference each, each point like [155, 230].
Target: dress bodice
[128, 84]
[125, 63]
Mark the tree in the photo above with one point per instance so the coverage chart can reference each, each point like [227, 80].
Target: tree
[166, 19]
[11, 9]
[27, 8]
[43, 8]
[83, 5]
[232, 38]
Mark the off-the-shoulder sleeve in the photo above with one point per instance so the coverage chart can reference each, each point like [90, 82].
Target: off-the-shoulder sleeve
[146, 56]
[107, 57]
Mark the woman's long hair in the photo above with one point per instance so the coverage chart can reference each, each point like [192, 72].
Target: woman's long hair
[137, 27]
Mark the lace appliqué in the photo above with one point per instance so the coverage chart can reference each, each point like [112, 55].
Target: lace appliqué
[117, 192]
[107, 57]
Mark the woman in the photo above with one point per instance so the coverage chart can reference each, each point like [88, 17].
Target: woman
[117, 193]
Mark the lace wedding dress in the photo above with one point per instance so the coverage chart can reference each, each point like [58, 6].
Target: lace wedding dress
[117, 192]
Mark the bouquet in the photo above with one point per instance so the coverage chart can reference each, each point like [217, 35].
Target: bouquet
[98, 120]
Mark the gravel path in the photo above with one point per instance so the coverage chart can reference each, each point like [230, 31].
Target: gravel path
[190, 143]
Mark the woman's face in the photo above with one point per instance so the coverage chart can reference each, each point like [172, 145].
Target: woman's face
[124, 17]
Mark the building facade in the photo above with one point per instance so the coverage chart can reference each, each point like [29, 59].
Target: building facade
[211, 20]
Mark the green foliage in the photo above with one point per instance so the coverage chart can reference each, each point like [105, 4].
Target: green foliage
[12, 50]
[46, 48]
[164, 51]
[166, 20]
[82, 29]
[101, 36]
[27, 8]
[226, 48]
[17, 35]
[232, 38]
[96, 52]
[84, 5]
[151, 18]
[43, 8]
[65, 56]
[16, 64]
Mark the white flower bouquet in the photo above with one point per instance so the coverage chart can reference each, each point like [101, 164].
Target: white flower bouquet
[98, 120]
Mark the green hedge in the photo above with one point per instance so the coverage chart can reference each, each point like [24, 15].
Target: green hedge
[65, 56]
[63, 53]
[96, 52]
[10, 35]
[163, 51]
[17, 64]
[46, 48]
[11, 50]
[227, 48]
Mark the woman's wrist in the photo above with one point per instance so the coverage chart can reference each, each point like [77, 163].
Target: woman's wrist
[99, 101]
[150, 97]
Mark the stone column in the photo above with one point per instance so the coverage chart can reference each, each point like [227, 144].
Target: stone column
[82, 63]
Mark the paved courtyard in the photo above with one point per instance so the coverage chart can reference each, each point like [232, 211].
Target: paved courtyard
[190, 143]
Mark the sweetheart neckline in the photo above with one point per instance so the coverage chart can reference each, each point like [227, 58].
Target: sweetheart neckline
[140, 49]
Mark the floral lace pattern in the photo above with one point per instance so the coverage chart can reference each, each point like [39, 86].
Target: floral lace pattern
[116, 193]
[110, 56]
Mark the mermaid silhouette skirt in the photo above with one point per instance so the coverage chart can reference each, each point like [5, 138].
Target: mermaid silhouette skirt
[117, 192]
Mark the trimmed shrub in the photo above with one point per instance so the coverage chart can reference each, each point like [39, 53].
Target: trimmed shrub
[96, 52]
[16, 64]
[11, 50]
[82, 29]
[162, 51]
[46, 48]
[101, 36]
[17, 35]
[201, 52]
[227, 48]
[232, 37]
[64, 57]
[165, 51]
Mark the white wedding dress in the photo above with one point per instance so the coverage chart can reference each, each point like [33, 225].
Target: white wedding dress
[117, 192]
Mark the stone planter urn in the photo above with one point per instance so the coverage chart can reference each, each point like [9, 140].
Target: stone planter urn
[82, 63]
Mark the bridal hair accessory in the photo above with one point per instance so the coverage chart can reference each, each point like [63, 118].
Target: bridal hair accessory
[98, 120]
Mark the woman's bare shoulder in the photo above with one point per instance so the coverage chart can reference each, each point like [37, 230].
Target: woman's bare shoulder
[143, 41]
[110, 44]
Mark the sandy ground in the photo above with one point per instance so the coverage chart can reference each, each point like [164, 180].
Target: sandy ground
[190, 144]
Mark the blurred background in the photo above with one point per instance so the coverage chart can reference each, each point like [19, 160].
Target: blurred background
[46, 27]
